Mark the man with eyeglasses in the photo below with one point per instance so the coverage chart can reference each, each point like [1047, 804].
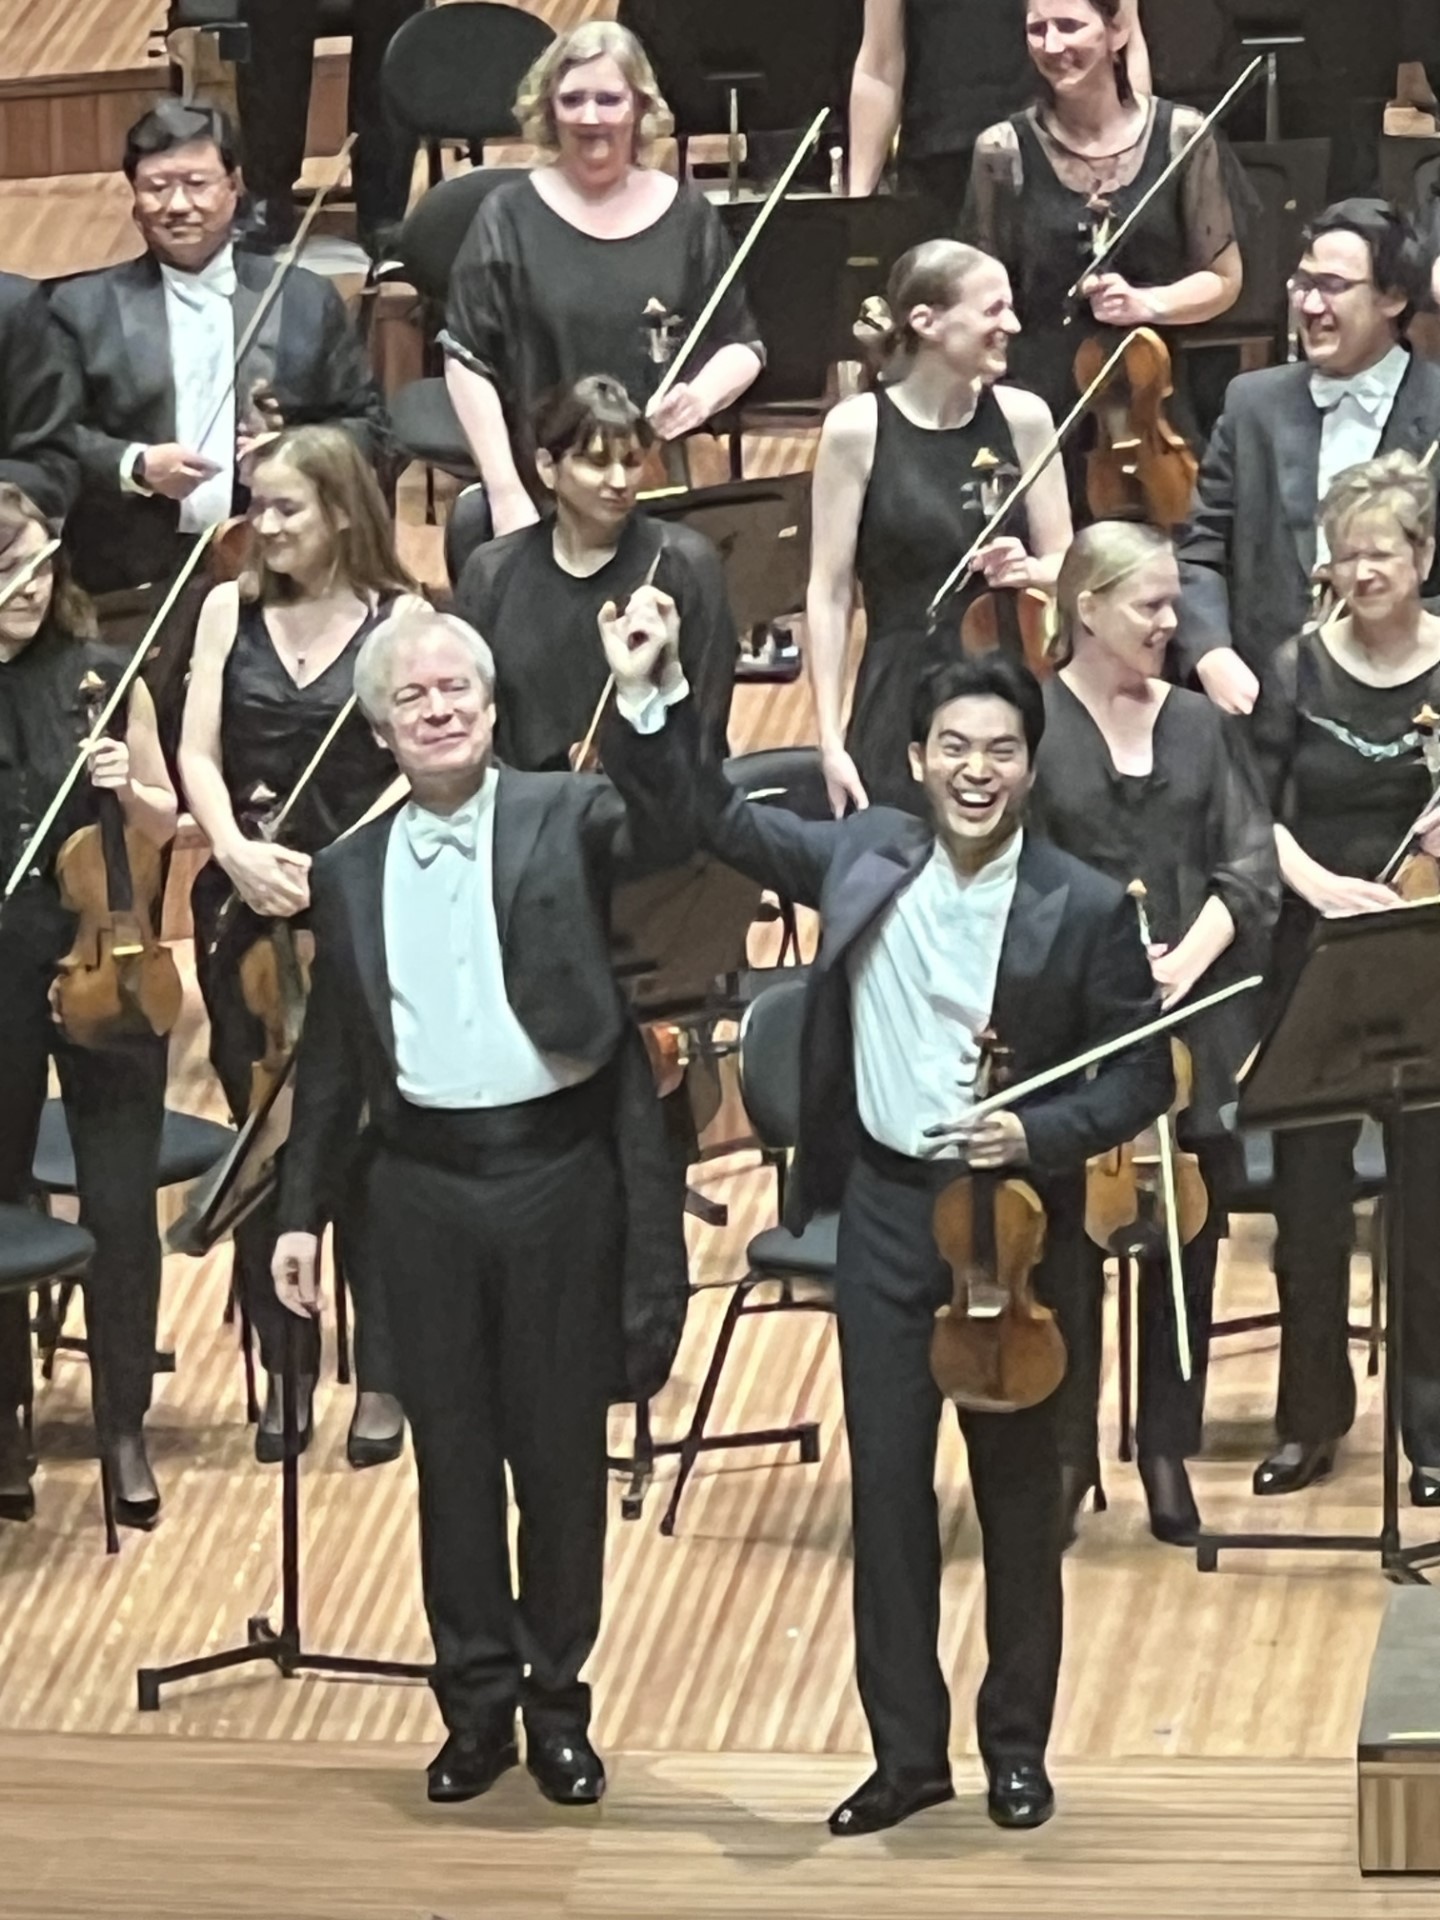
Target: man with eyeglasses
[1251, 549]
[165, 421]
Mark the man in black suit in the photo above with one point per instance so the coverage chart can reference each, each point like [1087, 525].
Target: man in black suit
[526, 1215]
[930, 934]
[37, 402]
[1249, 553]
[164, 427]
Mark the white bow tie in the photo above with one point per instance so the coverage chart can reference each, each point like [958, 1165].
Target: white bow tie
[1369, 390]
[429, 832]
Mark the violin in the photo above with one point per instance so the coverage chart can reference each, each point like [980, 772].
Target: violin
[117, 981]
[1141, 467]
[1413, 873]
[275, 983]
[994, 1349]
[1015, 619]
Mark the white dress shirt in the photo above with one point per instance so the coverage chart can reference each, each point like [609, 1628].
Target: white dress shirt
[458, 1043]
[1356, 412]
[922, 989]
[200, 318]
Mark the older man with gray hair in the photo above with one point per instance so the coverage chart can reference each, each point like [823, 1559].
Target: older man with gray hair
[463, 999]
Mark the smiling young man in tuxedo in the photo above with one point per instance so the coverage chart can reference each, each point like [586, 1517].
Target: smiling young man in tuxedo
[520, 1194]
[933, 932]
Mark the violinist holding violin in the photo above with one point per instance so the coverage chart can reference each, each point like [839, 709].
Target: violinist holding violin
[1346, 763]
[933, 932]
[274, 666]
[114, 1094]
[1148, 782]
[906, 476]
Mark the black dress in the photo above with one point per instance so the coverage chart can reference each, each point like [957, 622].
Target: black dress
[966, 65]
[1343, 763]
[114, 1098]
[922, 512]
[269, 730]
[536, 304]
[541, 623]
[1195, 825]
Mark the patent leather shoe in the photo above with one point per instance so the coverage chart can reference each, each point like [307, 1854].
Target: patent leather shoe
[1174, 1516]
[1020, 1795]
[469, 1764]
[133, 1490]
[565, 1766]
[1295, 1464]
[1425, 1486]
[884, 1802]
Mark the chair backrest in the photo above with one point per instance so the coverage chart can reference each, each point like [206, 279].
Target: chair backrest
[436, 226]
[761, 530]
[1290, 181]
[452, 72]
[789, 777]
[770, 1037]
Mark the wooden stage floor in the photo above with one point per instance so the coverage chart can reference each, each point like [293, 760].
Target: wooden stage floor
[343, 1833]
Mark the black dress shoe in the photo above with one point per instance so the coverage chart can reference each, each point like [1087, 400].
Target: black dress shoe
[267, 225]
[565, 1766]
[1020, 1795]
[1174, 1516]
[469, 1764]
[132, 1485]
[1075, 1484]
[17, 1496]
[270, 1434]
[1425, 1486]
[1294, 1465]
[883, 1802]
[375, 1449]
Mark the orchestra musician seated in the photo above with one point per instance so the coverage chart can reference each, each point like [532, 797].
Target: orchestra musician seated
[536, 594]
[38, 402]
[114, 1094]
[595, 262]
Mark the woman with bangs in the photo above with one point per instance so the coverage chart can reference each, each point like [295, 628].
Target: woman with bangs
[537, 594]
[595, 262]
[273, 668]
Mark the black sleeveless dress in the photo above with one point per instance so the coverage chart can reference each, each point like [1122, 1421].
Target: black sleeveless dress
[966, 66]
[922, 511]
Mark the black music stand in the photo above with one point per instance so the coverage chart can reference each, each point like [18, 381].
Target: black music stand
[1358, 1037]
[284, 1648]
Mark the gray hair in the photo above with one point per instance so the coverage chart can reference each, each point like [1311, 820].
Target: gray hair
[375, 665]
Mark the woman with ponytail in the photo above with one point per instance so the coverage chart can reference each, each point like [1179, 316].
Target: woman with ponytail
[904, 478]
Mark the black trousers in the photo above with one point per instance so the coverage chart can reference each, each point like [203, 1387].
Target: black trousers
[505, 1336]
[115, 1104]
[273, 94]
[1314, 1229]
[889, 1283]
[237, 1040]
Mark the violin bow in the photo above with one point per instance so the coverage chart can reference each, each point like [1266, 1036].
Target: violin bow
[28, 572]
[131, 670]
[1427, 724]
[587, 744]
[742, 253]
[946, 1132]
[1147, 199]
[963, 568]
[1169, 1188]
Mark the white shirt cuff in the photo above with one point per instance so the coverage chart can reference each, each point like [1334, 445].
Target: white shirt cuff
[130, 482]
[647, 713]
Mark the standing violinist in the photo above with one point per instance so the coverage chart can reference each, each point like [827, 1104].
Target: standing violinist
[905, 480]
[936, 931]
[1249, 552]
[1147, 781]
[114, 1096]
[1049, 183]
[1337, 734]
[274, 667]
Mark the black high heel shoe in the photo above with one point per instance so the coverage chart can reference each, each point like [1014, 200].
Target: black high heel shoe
[1174, 1516]
[1075, 1483]
[133, 1490]
[17, 1495]
[375, 1449]
[270, 1434]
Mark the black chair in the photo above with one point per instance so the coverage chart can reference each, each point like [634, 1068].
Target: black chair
[789, 777]
[775, 1258]
[451, 73]
[38, 1251]
[1256, 1195]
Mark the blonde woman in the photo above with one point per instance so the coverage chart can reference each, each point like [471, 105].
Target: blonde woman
[596, 262]
[1146, 781]
[274, 665]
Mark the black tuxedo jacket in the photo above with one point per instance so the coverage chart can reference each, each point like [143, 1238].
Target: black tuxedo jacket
[1248, 550]
[561, 841]
[113, 330]
[1072, 973]
[39, 398]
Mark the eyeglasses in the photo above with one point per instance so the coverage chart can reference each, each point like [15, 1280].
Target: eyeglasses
[1329, 286]
[195, 186]
[608, 105]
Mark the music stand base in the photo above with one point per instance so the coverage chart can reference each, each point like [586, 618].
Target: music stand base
[1398, 1563]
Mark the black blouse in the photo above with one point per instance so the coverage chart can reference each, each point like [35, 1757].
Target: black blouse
[1195, 825]
[541, 623]
[537, 304]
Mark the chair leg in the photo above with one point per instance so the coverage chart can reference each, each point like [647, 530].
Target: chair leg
[247, 1355]
[690, 1445]
[641, 1464]
[1378, 1244]
[57, 1329]
[342, 1327]
[1125, 1320]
